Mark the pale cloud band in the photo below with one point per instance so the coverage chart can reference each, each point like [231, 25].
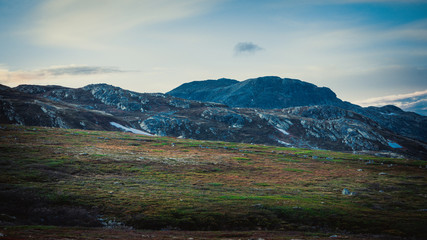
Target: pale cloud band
[415, 102]
[22, 76]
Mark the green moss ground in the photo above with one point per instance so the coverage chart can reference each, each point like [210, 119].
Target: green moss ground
[168, 183]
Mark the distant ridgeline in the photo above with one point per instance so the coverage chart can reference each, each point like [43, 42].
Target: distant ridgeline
[266, 110]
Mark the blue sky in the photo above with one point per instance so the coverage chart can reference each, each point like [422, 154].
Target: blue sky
[361, 49]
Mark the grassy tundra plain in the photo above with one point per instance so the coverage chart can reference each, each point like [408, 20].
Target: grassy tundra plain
[64, 183]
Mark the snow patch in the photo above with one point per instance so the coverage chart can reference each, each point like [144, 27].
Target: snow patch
[284, 143]
[132, 130]
[282, 131]
[393, 144]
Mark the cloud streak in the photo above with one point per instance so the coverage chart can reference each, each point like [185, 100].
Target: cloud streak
[22, 76]
[80, 70]
[414, 102]
[246, 47]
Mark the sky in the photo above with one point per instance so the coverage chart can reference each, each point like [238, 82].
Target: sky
[369, 52]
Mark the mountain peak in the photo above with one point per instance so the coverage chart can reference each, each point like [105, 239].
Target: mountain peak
[267, 92]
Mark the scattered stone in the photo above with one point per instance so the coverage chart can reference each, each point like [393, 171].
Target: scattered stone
[333, 236]
[382, 173]
[345, 191]
[2, 235]
[296, 207]
[369, 162]
[360, 170]
[315, 157]
[116, 183]
[110, 192]
[381, 191]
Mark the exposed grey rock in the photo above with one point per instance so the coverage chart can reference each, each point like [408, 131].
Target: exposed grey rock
[275, 92]
[97, 106]
[347, 192]
[264, 92]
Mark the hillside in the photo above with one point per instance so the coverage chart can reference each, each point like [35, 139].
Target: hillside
[278, 93]
[66, 177]
[264, 92]
[385, 131]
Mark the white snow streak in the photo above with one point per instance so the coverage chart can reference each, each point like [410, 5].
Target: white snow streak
[282, 131]
[284, 143]
[132, 130]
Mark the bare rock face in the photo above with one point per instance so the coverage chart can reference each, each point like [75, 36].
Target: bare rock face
[331, 124]
[278, 93]
[263, 92]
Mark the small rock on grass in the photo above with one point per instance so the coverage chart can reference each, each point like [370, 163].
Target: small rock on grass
[345, 191]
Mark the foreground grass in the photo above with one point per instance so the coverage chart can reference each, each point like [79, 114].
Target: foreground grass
[89, 178]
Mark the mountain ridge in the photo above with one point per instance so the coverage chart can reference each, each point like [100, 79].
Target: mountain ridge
[271, 92]
[97, 106]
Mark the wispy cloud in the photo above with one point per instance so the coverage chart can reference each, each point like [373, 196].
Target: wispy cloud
[23, 76]
[415, 102]
[90, 24]
[246, 47]
[80, 70]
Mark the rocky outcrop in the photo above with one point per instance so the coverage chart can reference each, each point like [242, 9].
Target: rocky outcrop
[263, 92]
[27, 109]
[97, 106]
[278, 93]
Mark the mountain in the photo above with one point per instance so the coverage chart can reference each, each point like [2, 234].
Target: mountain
[263, 92]
[105, 107]
[278, 93]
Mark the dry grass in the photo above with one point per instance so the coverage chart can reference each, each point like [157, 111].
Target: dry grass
[168, 183]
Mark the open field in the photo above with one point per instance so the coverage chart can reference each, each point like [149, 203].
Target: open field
[119, 180]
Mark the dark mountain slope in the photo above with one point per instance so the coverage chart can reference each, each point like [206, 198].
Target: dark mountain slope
[278, 93]
[263, 92]
[26, 109]
[97, 106]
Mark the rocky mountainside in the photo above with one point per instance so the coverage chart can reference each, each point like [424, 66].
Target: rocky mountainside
[105, 107]
[263, 92]
[278, 93]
